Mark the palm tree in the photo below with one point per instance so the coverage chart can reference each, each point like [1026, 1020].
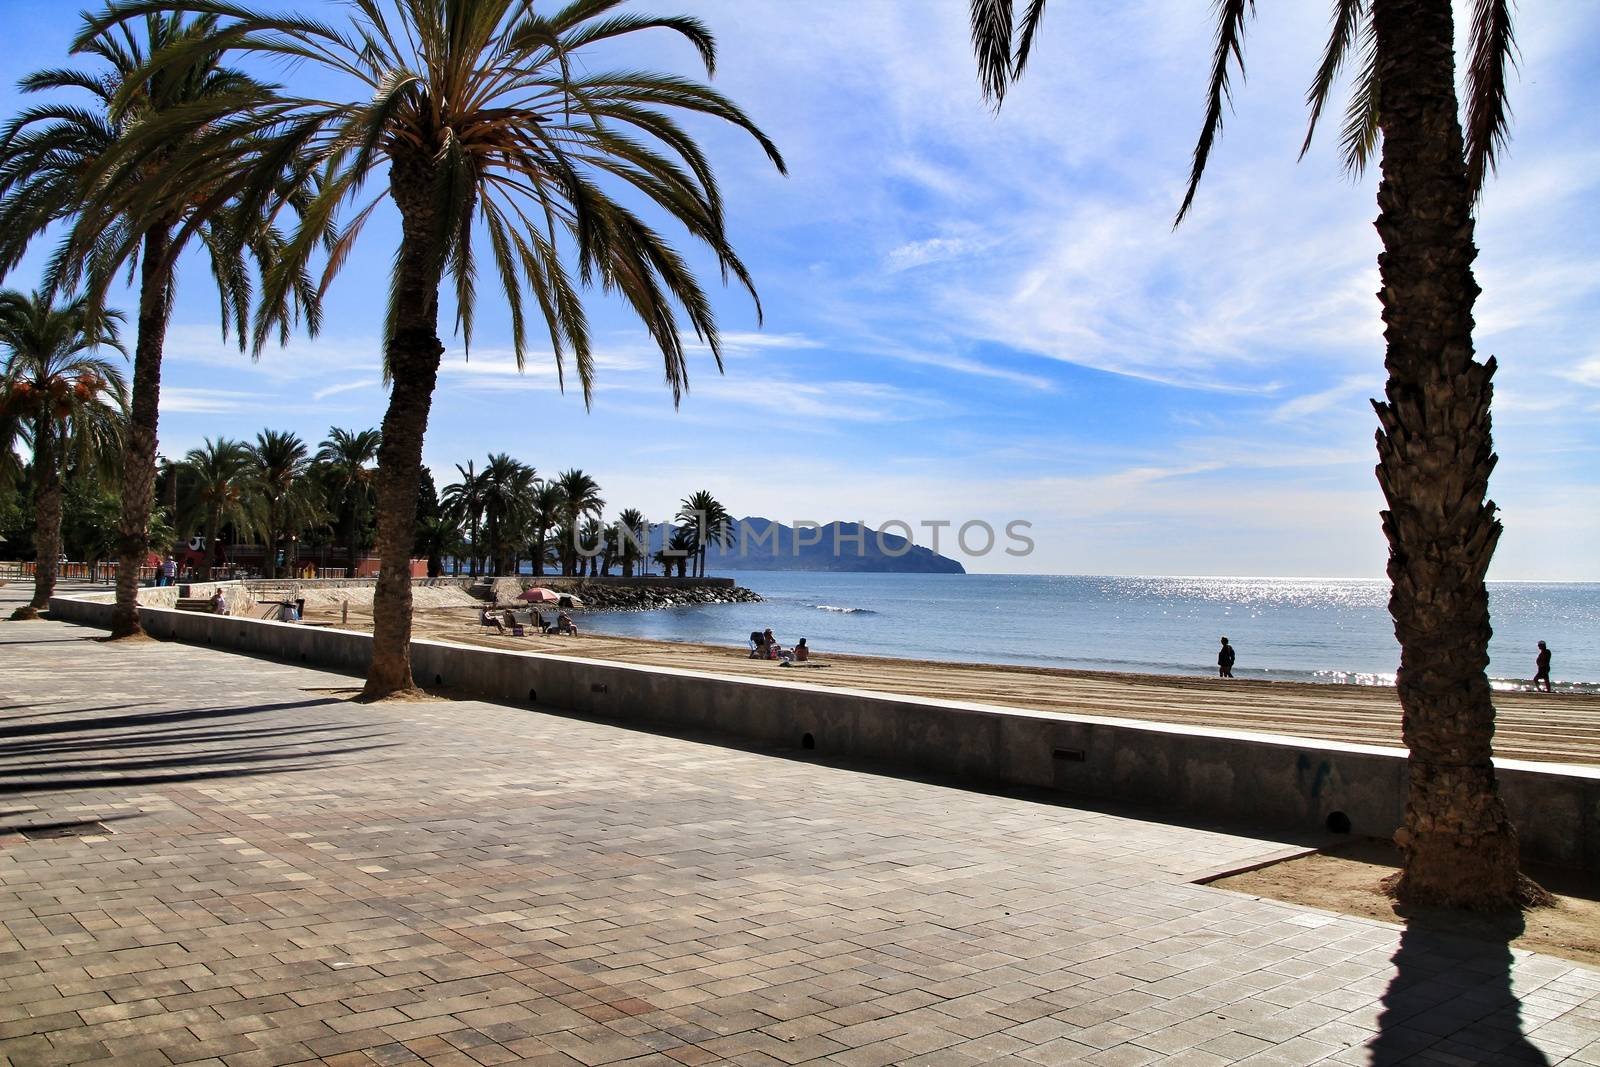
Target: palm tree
[64, 401]
[482, 117]
[221, 479]
[463, 502]
[438, 536]
[507, 485]
[345, 459]
[631, 537]
[547, 504]
[138, 203]
[287, 499]
[580, 497]
[676, 553]
[594, 546]
[1435, 451]
[705, 520]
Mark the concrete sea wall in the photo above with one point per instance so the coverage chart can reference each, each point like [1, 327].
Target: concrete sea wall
[1258, 779]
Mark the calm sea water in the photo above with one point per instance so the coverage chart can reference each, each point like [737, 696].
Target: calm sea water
[1284, 628]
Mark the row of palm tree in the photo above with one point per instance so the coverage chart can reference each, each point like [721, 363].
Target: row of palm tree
[491, 127]
[559, 522]
[482, 123]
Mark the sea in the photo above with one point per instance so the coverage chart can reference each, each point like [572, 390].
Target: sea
[1289, 629]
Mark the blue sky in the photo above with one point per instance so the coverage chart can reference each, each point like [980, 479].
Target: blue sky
[981, 316]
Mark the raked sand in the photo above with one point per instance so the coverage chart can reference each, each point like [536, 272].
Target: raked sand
[1563, 727]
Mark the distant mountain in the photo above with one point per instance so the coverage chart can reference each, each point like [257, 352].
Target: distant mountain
[757, 544]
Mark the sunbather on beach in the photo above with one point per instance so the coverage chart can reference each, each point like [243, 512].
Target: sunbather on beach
[486, 619]
[564, 625]
[802, 651]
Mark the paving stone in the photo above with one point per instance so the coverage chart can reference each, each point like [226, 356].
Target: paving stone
[290, 877]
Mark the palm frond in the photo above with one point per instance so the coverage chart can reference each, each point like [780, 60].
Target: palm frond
[1493, 49]
[1347, 19]
[1359, 138]
[1231, 18]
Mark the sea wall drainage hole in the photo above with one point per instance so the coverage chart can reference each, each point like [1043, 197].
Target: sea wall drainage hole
[1068, 755]
[1338, 823]
[533, 696]
[597, 687]
[807, 741]
[438, 679]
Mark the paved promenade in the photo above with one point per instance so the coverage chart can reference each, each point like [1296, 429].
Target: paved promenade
[262, 873]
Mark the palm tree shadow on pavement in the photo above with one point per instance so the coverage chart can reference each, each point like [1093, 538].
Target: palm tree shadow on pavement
[1452, 999]
[174, 746]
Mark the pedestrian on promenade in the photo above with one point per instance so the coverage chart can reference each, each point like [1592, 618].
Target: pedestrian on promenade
[169, 570]
[1541, 668]
[1225, 660]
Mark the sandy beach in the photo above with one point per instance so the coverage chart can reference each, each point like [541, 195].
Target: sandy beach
[1562, 728]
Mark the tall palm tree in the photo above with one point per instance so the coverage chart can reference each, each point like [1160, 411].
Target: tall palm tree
[631, 537]
[137, 203]
[484, 118]
[704, 520]
[580, 498]
[221, 478]
[1435, 451]
[65, 402]
[287, 498]
[346, 459]
[463, 502]
[547, 505]
[507, 486]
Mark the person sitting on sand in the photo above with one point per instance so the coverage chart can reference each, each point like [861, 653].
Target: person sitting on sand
[769, 644]
[564, 624]
[801, 652]
[219, 603]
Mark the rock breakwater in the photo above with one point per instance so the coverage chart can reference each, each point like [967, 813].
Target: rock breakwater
[599, 594]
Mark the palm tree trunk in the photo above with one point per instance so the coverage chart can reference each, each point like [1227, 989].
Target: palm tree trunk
[1435, 455]
[270, 564]
[139, 451]
[213, 529]
[413, 362]
[47, 516]
[352, 533]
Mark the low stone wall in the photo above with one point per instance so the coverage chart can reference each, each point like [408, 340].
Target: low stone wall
[1261, 780]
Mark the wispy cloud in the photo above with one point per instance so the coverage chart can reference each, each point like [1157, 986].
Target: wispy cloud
[344, 387]
[191, 401]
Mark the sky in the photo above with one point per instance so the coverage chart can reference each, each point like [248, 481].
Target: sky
[980, 316]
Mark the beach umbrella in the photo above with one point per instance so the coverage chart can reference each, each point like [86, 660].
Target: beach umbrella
[540, 595]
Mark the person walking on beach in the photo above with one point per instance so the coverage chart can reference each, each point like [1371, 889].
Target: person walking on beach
[1225, 660]
[1541, 668]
